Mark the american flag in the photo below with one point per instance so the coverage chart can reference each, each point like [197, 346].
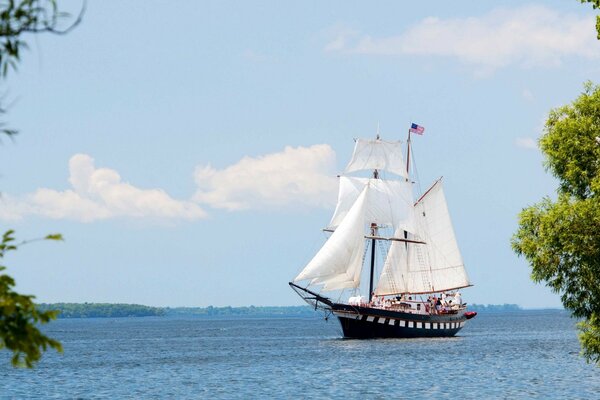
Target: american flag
[418, 129]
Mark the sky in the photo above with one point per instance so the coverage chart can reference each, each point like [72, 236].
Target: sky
[188, 151]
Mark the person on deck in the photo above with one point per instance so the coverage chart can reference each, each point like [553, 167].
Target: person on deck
[458, 298]
[431, 301]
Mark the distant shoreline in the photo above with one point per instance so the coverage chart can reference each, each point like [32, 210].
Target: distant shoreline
[120, 310]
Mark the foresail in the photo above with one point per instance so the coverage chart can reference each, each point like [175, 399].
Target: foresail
[389, 203]
[338, 264]
[349, 190]
[432, 267]
[377, 154]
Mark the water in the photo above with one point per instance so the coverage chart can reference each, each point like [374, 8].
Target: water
[531, 354]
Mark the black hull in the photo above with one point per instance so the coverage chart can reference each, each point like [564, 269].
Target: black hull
[368, 323]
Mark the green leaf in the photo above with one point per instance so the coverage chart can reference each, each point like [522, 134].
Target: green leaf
[54, 236]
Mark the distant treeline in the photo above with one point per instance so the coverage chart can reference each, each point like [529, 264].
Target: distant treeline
[494, 307]
[251, 311]
[102, 310]
[107, 310]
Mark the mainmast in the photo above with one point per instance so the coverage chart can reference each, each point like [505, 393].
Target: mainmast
[407, 178]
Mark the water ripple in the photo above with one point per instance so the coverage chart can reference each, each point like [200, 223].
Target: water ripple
[520, 355]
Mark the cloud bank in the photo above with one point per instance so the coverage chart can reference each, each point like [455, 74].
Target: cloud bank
[96, 194]
[526, 36]
[300, 176]
[295, 177]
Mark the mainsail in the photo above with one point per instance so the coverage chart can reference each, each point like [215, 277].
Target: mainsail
[434, 266]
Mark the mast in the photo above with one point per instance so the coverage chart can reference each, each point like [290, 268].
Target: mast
[373, 232]
[373, 240]
[407, 178]
[408, 154]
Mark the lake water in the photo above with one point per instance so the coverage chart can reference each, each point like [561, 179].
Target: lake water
[529, 354]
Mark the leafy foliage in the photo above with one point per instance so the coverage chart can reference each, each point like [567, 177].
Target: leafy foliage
[596, 5]
[19, 315]
[590, 332]
[561, 239]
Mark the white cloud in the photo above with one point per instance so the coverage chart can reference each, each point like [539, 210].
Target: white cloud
[295, 177]
[301, 176]
[526, 36]
[97, 193]
[526, 143]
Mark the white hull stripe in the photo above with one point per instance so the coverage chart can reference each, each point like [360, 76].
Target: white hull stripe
[402, 323]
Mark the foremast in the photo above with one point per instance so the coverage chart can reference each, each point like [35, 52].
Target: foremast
[373, 241]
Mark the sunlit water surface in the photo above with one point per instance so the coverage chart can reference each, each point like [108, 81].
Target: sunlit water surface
[529, 354]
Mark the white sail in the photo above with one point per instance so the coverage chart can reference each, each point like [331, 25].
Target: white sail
[389, 203]
[337, 265]
[350, 189]
[432, 267]
[445, 260]
[377, 154]
[394, 277]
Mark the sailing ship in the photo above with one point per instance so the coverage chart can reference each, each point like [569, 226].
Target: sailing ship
[420, 269]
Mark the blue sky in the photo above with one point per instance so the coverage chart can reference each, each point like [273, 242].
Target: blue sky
[188, 151]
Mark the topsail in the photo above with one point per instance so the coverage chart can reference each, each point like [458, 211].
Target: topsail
[377, 154]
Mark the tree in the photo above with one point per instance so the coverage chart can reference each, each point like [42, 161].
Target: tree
[596, 5]
[19, 316]
[561, 238]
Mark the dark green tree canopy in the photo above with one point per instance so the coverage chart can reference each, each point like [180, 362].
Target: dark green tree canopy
[19, 315]
[571, 144]
[561, 239]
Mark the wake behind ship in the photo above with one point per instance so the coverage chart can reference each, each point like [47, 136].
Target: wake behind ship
[414, 289]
